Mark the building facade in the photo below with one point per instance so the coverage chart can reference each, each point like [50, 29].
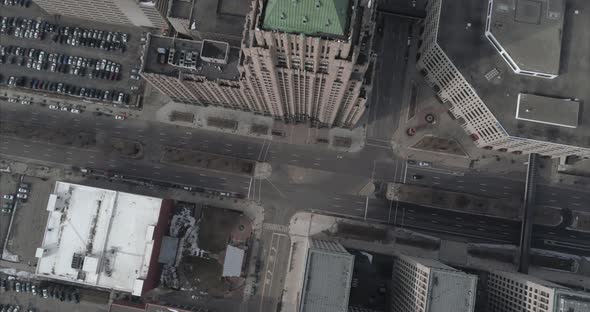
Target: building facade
[144, 13]
[310, 61]
[464, 100]
[301, 61]
[511, 291]
[425, 285]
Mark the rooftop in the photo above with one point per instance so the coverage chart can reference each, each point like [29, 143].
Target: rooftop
[541, 109]
[328, 276]
[450, 290]
[310, 17]
[98, 237]
[210, 70]
[530, 32]
[461, 36]
[221, 20]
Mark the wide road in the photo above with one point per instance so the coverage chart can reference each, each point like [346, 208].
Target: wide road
[304, 177]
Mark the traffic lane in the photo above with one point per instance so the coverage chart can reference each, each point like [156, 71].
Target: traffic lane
[467, 183]
[383, 112]
[307, 156]
[69, 156]
[563, 197]
[422, 218]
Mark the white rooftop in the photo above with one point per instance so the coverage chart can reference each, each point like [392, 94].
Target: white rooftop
[112, 232]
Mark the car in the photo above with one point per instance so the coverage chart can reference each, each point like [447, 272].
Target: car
[64, 109]
[22, 196]
[424, 164]
[119, 117]
[23, 190]
[53, 107]
[75, 111]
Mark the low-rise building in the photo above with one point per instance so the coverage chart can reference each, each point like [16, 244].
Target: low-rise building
[103, 238]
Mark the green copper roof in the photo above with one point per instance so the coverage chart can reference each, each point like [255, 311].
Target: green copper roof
[311, 17]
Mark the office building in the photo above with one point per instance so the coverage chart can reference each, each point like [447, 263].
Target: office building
[426, 285]
[511, 291]
[302, 61]
[310, 60]
[512, 72]
[143, 13]
[328, 274]
[102, 238]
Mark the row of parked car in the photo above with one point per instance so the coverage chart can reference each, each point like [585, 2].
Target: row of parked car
[75, 36]
[22, 194]
[23, 27]
[63, 63]
[22, 3]
[111, 96]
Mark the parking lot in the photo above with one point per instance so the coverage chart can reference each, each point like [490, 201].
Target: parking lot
[86, 58]
[41, 296]
[8, 185]
[30, 217]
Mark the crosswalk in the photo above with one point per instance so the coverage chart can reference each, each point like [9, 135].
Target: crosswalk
[275, 227]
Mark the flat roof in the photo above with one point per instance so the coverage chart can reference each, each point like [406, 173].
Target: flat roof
[450, 290]
[112, 229]
[211, 71]
[530, 31]
[221, 20]
[328, 275]
[461, 35]
[543, 109]
[310, 17]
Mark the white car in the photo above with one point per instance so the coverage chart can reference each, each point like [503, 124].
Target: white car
[65, 109]
[22, 196]
[53, 107]
[119, 117]
[75, 111]
[424, 164]
[8, 196]
[23, 190]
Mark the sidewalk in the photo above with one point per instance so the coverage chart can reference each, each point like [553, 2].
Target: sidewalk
[452, 147]
[159, 108]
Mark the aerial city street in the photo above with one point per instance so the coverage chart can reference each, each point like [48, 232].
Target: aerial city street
[294, 155]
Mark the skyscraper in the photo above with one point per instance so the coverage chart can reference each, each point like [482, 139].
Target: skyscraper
[310, 60]
[299, 60]
[146, 13]
[426, 285]
[511, 291]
